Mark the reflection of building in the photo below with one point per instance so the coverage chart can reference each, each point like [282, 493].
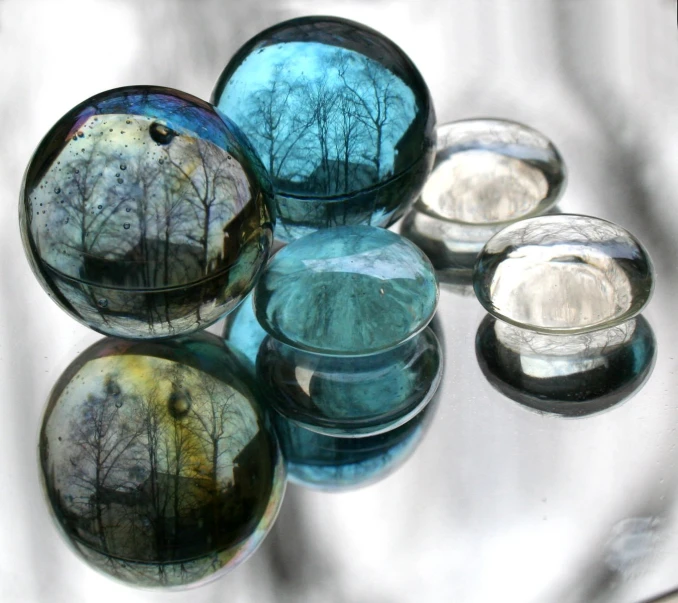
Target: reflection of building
[151, 263]
[333, 177]
[410, 147]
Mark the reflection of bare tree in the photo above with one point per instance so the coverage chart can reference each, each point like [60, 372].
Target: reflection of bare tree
[326, 135]
[102, 438]
[276, 126]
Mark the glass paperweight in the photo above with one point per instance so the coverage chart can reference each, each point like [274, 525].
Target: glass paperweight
[145, 214]
[563, 274]
[323, 462]
[351, 396]
[341, 118]
[567, 375]
[159, 465]
[490, 171]
[352, 290]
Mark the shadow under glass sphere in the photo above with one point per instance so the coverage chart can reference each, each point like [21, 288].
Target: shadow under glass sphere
[567, 375]
[159, 466]
[145, 214]
[340, 116]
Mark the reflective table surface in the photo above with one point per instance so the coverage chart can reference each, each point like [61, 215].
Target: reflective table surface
[499, 500]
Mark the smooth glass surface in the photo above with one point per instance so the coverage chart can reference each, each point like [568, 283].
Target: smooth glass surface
[351, 396]
[340, 116]
[352, 291]
[452, 247]
[491, 171]
[158, 463]
[568, 375]
[565, 273]
[323, 462]
[145, 214]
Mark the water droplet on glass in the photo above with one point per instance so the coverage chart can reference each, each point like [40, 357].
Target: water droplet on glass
[128, 209]
[120, 181]
[123, 167]
[57, 190]
[81, 134]
[126, 225]
[161, 161]
[100, 206]
[102, 303]
[118, 403]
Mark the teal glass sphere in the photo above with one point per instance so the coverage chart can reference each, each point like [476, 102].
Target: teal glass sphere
[351, 291]
[340, 116]
[145, 214]
[159, 465]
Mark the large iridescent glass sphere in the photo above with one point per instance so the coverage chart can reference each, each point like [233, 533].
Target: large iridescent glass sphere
[159, 465]
[340, 116]
[563, 274]
[347, 291]
[146, 214]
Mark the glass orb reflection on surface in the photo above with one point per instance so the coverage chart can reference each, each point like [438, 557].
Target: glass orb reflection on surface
[330, 463]
[351, 396]
[563, 274]
[567, 375]
[145, 214]
[340, 116]
[159, 465]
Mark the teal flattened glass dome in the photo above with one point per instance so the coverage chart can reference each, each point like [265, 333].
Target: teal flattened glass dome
[347, 291]
[339, 115]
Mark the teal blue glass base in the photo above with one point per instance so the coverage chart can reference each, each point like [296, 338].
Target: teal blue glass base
[352, 290]
[340, 116]
[145, 214]
[159, 465]
[322, 462]
[351, 397]
[566, 375]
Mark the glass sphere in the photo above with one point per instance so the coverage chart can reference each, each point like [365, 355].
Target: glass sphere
[328, 463]
[159, 465]
[145, 214]
[350, 290]
[490, 171]
[351, 396]
[341, 118]
[563, 274]
[567, 375]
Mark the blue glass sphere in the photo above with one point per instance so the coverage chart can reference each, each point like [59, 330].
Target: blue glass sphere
[145, 214]
[567, 375]
[159, 465]
[351, 290]
[351, 396]
[323, 462]
[340, 116]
